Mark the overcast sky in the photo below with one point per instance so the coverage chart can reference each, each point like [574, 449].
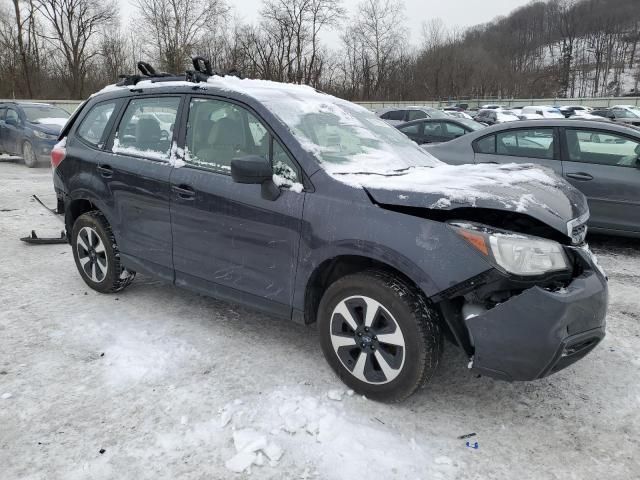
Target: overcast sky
[461, 13]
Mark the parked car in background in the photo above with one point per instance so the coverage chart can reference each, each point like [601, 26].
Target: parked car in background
[543, 111]
[309, 208]
[434, 130]
[493, 106]
[571, 110]
[30, 130]
[495, 116]
[620, 114]
[397, 115]
[458, 114]
[601, 159]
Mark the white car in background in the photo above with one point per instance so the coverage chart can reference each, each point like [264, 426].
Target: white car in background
[456, 114]
[543, 111]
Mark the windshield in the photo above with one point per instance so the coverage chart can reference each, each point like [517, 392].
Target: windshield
[345, 137]
[35, 113]
[507, 113]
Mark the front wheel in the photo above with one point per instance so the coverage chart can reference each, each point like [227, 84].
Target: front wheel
[379, 335]
[96, 254]
[29, 156]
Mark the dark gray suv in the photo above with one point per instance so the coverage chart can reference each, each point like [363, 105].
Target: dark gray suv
[311, 208]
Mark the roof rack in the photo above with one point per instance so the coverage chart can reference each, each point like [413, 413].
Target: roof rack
[201, 72]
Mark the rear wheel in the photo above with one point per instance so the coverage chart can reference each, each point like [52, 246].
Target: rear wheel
[379, 335]
[29, 156]
[96, 254]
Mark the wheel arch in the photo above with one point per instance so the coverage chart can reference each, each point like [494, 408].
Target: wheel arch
[79, 205]
[339, 266]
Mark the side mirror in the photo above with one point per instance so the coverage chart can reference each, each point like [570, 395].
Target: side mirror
[11, 121]
[254, 169]
[611, 116]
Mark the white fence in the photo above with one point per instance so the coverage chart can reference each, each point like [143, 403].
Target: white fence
[71, 105]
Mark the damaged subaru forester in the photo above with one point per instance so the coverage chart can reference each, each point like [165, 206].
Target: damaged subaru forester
[309, 207]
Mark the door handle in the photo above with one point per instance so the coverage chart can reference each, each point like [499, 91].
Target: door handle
[582, 176]
[105, 170]
[184, 191]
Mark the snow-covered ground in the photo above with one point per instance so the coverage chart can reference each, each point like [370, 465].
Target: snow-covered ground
[157, 382]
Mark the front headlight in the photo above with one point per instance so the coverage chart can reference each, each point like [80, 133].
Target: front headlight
[519, 254]
[44, 136]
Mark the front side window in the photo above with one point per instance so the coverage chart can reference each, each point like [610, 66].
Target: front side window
[533, 143]
[12, 115]
[147, 127]
[603, 148]
[94, 123]
[218, 132]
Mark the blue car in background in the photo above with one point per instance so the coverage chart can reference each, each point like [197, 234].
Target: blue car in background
[30, 130]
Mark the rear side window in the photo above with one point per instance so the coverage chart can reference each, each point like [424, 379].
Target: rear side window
[92, 128]
[146, 128]
[486, 145]
[534, 143]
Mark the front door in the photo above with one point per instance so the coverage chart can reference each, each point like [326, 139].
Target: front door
[228, 240]
[604, 166]
[12, 131]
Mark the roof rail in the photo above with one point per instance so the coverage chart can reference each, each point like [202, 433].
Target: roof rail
[201, 72]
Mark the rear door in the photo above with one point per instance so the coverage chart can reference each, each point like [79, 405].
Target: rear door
[604, 166]
[136, 167]
[228, 240]
[3, 111]
[530, 145]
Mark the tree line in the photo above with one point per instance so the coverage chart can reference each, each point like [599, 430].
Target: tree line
[565, 48]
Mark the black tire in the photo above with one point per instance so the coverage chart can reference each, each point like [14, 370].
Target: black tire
[98, 264]
[29, 156]
[402, 305]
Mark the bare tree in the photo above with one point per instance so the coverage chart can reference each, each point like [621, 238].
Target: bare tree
[173, 30]
[73, 28]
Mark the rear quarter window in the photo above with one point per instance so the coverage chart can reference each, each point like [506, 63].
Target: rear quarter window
[485, 145]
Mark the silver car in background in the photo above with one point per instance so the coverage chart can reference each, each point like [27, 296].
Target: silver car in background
[397, 115]
[601, 159]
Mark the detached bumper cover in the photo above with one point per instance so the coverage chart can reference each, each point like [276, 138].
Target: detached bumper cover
[539, 332]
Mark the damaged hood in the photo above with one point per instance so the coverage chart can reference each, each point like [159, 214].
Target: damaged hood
[526, 189]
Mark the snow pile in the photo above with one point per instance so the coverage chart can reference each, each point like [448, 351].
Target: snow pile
[328, 436]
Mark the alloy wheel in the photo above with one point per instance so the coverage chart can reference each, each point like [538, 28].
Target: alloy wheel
[367, 340]
[92, 254]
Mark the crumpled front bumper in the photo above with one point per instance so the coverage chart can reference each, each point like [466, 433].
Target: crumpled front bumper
[539, 332]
